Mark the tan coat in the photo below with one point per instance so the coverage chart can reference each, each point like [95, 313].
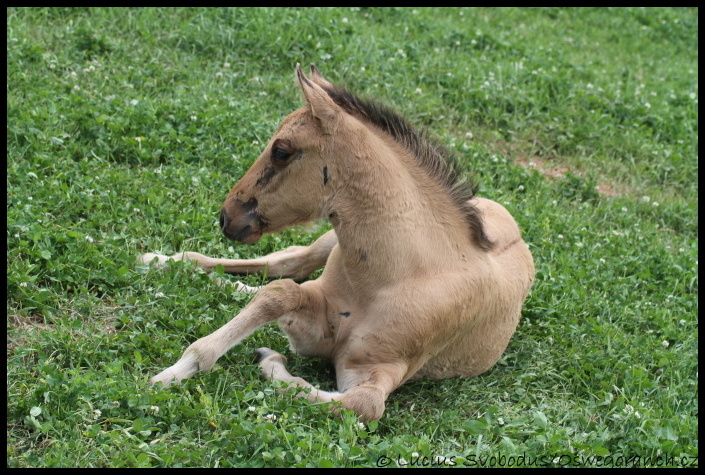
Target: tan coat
[421, 279]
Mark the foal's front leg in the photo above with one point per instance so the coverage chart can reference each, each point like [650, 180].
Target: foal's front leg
[295, 262]
[274, 300]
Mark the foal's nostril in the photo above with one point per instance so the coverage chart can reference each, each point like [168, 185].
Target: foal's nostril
[223, 219]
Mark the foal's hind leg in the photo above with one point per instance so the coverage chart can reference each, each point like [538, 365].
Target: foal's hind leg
[364, 387]
[295, 262]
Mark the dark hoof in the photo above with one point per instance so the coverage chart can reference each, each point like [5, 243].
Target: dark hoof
[262, 353]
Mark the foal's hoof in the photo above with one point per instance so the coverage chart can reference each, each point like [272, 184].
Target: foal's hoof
[262, 353]
[147, 259]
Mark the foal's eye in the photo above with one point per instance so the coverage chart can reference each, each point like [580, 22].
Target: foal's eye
[281, 154]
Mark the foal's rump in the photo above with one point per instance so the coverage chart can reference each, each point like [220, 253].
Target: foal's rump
[510, 253]
[499, 287]
[500, 226]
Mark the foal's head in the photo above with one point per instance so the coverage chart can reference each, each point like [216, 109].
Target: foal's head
[290, 182]
[287, 183]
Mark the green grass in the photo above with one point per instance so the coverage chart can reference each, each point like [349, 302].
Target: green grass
[126, 128]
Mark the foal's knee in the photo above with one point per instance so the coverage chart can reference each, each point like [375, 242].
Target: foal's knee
[365, 401]
[278, 297]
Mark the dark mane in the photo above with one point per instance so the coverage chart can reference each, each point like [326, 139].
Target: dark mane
[431, 156]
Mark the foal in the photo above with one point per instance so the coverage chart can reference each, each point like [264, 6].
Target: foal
[421, 279]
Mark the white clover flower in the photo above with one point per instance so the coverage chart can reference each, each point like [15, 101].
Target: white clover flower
[654, 204]
[665, 343]
[134, 102]
[159, 295]
[23, 284]
[252, 408]
[344, 20]
[270, 417]
[226, 65]
[88, 238]
[154, 409]
[77, 87]
[418, 90]
[193, 117]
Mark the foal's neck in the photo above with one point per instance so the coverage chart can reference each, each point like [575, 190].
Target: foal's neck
[391, 218]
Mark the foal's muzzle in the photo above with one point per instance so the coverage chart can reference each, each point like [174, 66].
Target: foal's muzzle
[240, 221]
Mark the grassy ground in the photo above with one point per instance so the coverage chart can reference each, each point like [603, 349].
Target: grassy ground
[127, 128]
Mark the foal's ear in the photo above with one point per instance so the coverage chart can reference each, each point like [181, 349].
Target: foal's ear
[318, 78]
[322, 106]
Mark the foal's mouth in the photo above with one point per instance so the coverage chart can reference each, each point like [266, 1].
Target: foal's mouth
[244, 235]
[246, 226]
